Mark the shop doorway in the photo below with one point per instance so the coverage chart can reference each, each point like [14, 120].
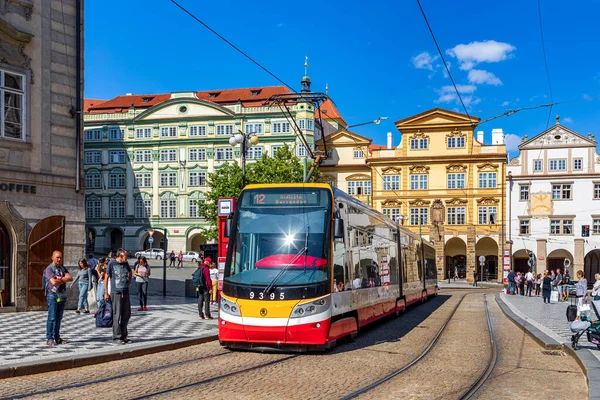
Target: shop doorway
[5, 266]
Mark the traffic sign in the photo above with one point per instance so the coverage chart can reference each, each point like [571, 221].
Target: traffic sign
[481, 260]
[150, 239]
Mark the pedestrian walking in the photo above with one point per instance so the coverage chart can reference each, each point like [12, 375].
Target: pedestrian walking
[538, 285]
[566, 281]
[142, 276]
[118, 273]
[203, 284]
[455, 273]
[93, 263]
[546, 287]
[180, 259]
[101, 270]
[580, 290]
[558, 279]
[511, 282]
[529, 278]
[596, 288]
[111, 255]
[474, 278]
[85, 278]
[518, 282]
[172, 258]
[55, 278]
[214, 277]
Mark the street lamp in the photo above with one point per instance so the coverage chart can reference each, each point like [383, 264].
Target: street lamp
[164, 257]
[375, 121]
[246, 140]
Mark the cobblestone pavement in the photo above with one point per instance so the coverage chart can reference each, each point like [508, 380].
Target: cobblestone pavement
[378, 351]
[24, 334]
[525, 370]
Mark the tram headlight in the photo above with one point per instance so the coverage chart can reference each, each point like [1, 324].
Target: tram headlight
[311, 307]
[229, 307]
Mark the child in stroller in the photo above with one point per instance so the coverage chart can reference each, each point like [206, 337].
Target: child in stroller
[587, 325]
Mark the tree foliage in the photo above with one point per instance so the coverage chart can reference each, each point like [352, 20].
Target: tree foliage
[283, 167]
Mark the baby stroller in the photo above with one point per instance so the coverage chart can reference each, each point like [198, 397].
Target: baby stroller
[587, 325]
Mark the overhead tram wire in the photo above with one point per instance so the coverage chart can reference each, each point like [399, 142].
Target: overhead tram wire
[545, 63]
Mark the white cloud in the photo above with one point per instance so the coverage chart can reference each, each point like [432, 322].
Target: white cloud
[424, 60]
[568, 120]
[587, 96]
[483, 76]
[280, 25]
[473, 53]
[506, 103]
[512, 142]
[448, 94]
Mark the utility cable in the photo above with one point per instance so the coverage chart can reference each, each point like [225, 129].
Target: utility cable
[545, 63]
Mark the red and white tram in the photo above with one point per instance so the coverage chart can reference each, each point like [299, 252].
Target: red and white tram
[307, 265]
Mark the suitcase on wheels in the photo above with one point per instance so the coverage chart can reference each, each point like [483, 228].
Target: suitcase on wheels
[571, 313]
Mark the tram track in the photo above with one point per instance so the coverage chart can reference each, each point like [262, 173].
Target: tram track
[473, 389]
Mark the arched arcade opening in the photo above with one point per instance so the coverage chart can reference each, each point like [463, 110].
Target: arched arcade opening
[455, 251]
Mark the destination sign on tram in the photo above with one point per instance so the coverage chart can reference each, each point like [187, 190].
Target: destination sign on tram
[284, 199]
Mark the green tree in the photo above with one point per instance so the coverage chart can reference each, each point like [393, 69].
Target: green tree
[283, 167]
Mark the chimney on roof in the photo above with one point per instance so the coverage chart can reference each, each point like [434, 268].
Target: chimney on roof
[480, 136]
[128, 94]
[389, 140]
[497, 136]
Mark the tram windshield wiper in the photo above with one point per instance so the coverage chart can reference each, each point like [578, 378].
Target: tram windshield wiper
[285, 268]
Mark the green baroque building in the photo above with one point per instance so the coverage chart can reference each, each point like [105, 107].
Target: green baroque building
[147, 157]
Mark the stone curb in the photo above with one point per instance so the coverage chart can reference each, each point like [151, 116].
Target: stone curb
[588, 363]
[82, 360]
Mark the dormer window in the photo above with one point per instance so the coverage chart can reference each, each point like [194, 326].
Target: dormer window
[213, 95]
[146, 99]
[254, 92]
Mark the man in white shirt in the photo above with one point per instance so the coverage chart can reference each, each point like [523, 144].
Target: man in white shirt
[356, 283]
[529, 277]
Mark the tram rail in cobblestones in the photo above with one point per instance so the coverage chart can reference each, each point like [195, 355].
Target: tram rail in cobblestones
[472, 391]
[399, 371]
[215, 378]
[111, 378]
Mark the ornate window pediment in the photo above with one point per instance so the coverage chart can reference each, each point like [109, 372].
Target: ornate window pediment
[488, 201]
[456, 202]
[419, 135]
[456, 168]
[391, 203]
[327, 178]
[168, 196]
[419, 169]
[456, 133]
[488, 167]
[419, 203]
[358, 177]
[391, 171]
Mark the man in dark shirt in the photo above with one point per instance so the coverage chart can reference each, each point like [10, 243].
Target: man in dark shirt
[56, 295]
[511, 282]
[205, 290]
[118, 273]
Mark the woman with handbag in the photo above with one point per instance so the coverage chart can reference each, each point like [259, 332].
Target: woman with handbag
[84, 276]
[580, 291]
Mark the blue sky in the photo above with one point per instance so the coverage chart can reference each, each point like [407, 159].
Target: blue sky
[377, 57]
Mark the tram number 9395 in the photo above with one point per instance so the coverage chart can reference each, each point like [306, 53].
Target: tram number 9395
[262, 296]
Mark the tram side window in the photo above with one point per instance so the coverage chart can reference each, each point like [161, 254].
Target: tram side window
[339, 264]
[419, 261]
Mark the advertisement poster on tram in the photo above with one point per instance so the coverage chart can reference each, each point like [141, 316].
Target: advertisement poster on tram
[384, 270]
[221, 266]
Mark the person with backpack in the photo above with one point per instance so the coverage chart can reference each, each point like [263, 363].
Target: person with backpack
[54, 282]
[203, 284]
[119, 274]
[172, 258]
[180, 259]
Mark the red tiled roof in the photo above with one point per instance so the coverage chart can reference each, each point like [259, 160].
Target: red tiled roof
[87, 103]
[379, 147]
[329, 111]
[250, 97]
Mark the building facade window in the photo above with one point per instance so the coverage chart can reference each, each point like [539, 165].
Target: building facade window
[487, 179]
[93, 135]
[524, 192]
[224, 154]
[168, 155]
[254, 153]
[419, 144]
[193, 208]
[143, 133]
[596, 226]
[168, 179]
[92, 157]
[558, 165]
[116, 156]
[93, 181]
[197, 179]
[456, 181]
[275, 148]
[419, 216]
[419, 182]
[392, 213]
[359, 187]
[143, 179]
[168, 131]
[255, 128]
[197, 155]
[456, 142]
[487, 215]
[281, 127]
[143, 208]
[168, 208]
[116, 134]
[524, 227]
[117, 207]
[456, 215]
[301, 150]
[596, 190]
[561, 226]
[224, 129]
[116, 180]
[391, 182]
[359, 154]
[578, 164]
[13, 104]
[561, 192]
[537, 165]
[197, 130]
[93, 208]
[143, 156]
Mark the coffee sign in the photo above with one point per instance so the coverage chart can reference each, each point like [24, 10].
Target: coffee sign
[18, 188]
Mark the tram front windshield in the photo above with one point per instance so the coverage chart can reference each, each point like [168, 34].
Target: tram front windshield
[281, 238]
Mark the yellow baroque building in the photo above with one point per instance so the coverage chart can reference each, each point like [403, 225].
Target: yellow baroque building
[448, 186]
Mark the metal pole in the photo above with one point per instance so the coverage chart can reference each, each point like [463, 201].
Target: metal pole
[165, 265]
[244, 162]
[510, 243]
